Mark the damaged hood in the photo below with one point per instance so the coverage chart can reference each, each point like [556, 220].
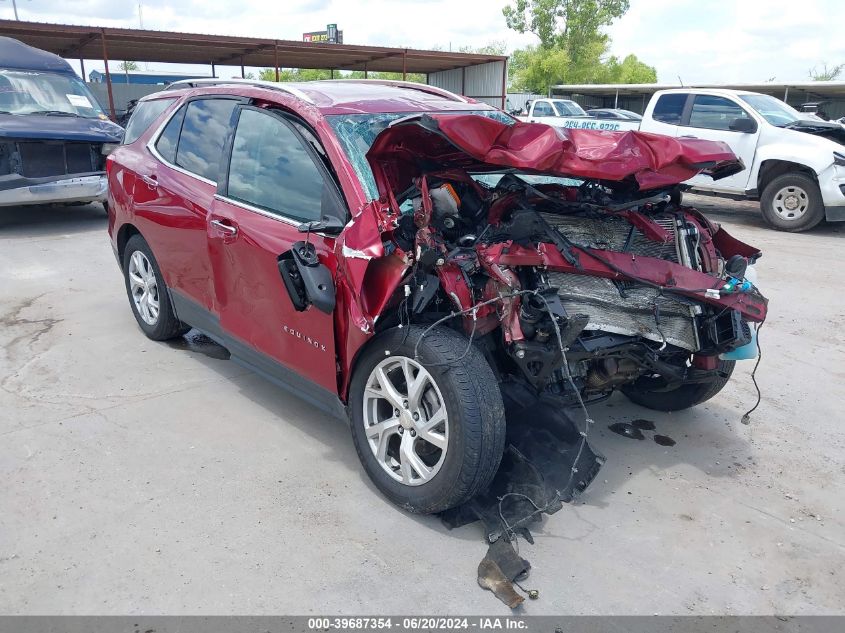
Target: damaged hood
[826, 129]
[432, 143]
[64, 128]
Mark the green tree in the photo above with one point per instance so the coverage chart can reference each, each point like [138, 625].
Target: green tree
[629, 71]
[497, 47]
[574, 25]
[572, 48]
[826, 74]
[126, 66]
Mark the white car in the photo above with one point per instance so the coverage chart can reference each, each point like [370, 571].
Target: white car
[566, 113]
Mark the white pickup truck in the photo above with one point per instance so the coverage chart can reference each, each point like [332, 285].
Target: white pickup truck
[795, 166]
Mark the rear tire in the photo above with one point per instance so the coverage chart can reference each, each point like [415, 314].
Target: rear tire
[147, 292]
[683, 397]
[392, 425]
[792, 202]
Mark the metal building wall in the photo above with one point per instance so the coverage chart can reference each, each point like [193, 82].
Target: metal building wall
[484, 82]
[123, 93]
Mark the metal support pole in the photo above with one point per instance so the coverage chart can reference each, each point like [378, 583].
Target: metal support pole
[331, 71]
[616, 100]
[786, 94]
[365, 71]
[276, 58]
[213, 70]
[82, 66]
[404, 64]
[504, 83]
[464, 80]
[108, 74]
[243, 72]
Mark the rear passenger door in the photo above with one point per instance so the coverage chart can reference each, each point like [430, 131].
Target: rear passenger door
[275, 180]
[173, 196]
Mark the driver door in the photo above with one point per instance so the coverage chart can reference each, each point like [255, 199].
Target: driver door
[273, 181]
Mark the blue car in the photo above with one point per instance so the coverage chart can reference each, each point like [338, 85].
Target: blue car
[54, 135]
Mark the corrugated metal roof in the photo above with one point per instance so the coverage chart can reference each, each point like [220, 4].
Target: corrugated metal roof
[823, 88]
[73, 41]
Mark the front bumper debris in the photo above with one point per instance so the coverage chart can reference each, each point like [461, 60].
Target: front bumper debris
[547, 463]
[90, 188]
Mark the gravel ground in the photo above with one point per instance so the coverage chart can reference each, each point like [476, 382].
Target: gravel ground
[148, 478]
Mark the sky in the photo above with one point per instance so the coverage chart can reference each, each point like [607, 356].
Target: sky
[696, 40]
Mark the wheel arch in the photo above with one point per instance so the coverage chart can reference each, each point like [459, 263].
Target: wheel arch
[772, 168]
[124, 234]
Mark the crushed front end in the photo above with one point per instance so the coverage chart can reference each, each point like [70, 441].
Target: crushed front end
[560, 255]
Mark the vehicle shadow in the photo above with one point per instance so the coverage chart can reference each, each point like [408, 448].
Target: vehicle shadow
[704, 437]
[747, 214]
[44, 220]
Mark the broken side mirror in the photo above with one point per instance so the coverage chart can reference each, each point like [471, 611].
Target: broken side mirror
[328, 225]
[745, 125]
[307, 281]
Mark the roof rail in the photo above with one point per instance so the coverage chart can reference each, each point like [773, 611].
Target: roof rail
[271, 85]
[410, 85]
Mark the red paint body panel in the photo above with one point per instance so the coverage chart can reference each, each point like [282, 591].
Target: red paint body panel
[251, 299]
[480, 144]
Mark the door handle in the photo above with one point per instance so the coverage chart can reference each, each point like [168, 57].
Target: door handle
[151, 181]
[224, 227]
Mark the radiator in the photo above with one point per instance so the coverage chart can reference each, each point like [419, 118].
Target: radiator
[624, 308]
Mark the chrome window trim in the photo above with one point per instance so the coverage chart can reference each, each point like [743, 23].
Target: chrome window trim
[268, 214]
[154, 139]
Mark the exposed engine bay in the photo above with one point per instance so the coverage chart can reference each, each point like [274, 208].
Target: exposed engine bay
[533, 267]
[562, 256]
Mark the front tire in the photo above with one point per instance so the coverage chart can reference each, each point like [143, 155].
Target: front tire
[683, 397]
[430, 430]
[148, 296]
[792, 202]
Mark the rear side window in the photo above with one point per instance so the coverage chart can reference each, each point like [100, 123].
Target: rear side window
[270, 168]
[543, 109]
[144, 114]
[714, 113]
[203, 136]
[669, 108]
[169, 138]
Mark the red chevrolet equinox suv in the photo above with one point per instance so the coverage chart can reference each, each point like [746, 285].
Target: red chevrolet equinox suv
[446, 278]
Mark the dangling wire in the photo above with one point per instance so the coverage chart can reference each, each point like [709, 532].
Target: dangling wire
[746, 419]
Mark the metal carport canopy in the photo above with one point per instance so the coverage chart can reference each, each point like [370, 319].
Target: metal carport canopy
[86, 42]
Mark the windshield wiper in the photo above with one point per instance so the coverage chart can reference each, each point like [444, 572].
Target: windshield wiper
[55, 113]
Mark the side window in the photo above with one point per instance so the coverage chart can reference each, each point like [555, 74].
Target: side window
[543, 108]
[142, 116]
[204, 135]
[669, 108]
[169, 137]
[714, 113]
[271, 168]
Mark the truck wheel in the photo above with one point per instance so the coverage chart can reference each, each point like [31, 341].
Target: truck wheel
[683, 397]
[147, 292]
[430, 430]
[792, 202]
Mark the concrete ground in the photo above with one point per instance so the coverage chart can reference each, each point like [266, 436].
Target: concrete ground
[150, 478]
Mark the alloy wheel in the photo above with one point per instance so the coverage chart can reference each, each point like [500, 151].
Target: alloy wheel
[405, 420]
[144, 287]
